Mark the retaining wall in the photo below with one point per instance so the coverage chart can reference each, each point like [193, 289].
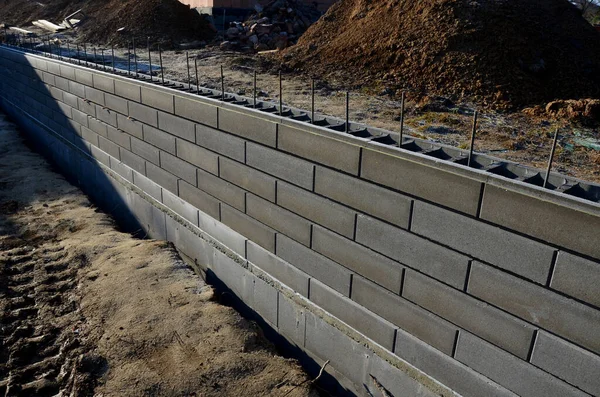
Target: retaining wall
[408, 273]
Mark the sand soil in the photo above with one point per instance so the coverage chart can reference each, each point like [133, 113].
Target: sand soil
[86, 310]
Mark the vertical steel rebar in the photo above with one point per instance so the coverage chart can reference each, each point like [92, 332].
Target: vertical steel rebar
[95, 58]
[312, 101]
[162, 73]
[135, 58]
[197, 79]
[78, 56]
[402, 104]
[222, 80]
[280, 95]
[112, 50]
[554, 142]
[128, 58]
[85, 54]
[254, 92]
[68, 51]
[473, 132]
[149, 60]
[103, 60]
[187, 61]
[347, 126]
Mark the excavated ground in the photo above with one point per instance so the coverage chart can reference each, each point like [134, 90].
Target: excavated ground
[86, 310]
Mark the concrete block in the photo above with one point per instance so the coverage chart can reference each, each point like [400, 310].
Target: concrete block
[130, 126]
[145, 150]
[132, 160]
[127, 90]
[198, 156]
[94, 95]
[291, 320]
[289, 168]
[143, 113]
[89, 136]
[484, 320]
[119, 137]
[65, 111]
[577, 277]
[432, 184]
[54, 68]
[315, 265]
[413, 251]
[357, 258]
[70, 99]
[48, 78]
[165, 179]
[224, 234]
[181, 207]
[364, 196]
[190, 244]
[104, 83]
[98, 126]
[148, 186]
[248, 227]
[247, 178]
[197, 111]
[318, 209]
[222, 143]
[264, 301]
[516, 375]
[67, 72]
[334, 153]
[424, 325]
[83, 77]
[557, 224]
[100, 155]
[278, 268]
[445, 369]
[55, 94]
[61, 83]
[563, 316]
[395, 381]
[160, 139]
[221, 189]
[109, 147]
[491, 244]
[199, 199]
[86, 107]
[356, 316]
[158, 99]
[178, 167]
[568, 362]
[116, 103]
[253, 128]
[152, 220]
[177, 126]
[121, 169]
[74, 129]
[77, 89]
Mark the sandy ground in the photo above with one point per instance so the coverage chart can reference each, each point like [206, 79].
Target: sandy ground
[86, 310]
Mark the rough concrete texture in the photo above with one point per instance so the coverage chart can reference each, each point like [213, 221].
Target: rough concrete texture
[196, 111]
[247, 178]
[248, 227]
[577, 277]
[283, 166]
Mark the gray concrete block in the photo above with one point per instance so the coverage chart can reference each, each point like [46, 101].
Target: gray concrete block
[357, 258]
[514, 374]
[143, 113]
[190, 244]
[563, 316]
[413, 251]
[104, 83]
[130, 126]
[152, 220]
[289, 168]
[83, 77]
[429, 183]
[247, 178]
[197, 111]
[55, 94]
[98, 126]
[353, 314]
[54, 68]
[177, 126]
[395, 381]
[148, 186]
[198, 156]
[67, 72]
[318, 209]
[315, 265]
[426, 326]
[222, 233]
[94, 95]
[109, 147]
[491, 244]
[279, 219]
[445, 369]
[145, 150]
[160, 139]
[131, 91]
[484, 320]
[62, 83]
[89, 136]
[65, 111]
[264, 301]
[577, 277]
[253, 128]
[116, 103]
[364, 196]
[199, 199]
[158, 99]
[165, 179]
[248, 227]
[119, 137]
[278, 268]
[132, 160]
[121, 169]
[568, 362]
[77, 89]
[86, 107]
[180, 206]
[221, 189]
[221, 142]
[70, 99]
[341, 155]
[557, 224]
[291, 320]
[100, 155]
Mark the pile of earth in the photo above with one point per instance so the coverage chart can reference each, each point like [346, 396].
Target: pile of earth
[497, 53]
[166, 21]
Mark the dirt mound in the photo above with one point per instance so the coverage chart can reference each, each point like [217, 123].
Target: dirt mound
[499, 53]
[167, 21]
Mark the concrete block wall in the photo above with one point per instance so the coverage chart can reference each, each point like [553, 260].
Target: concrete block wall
[399, 268]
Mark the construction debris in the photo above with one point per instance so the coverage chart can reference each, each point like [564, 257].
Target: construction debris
[47, 25]
[21, 31]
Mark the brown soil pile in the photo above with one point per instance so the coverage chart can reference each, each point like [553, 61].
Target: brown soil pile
[87, 311]
[497, 53]
[167, 21]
